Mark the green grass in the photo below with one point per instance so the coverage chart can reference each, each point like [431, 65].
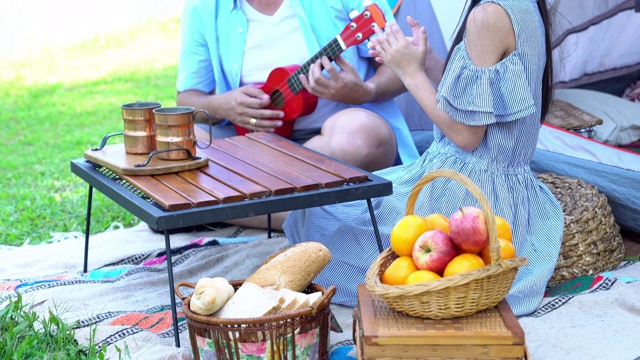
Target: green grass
[55, 104]
[29, 335]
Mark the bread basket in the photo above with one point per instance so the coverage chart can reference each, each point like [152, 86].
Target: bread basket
[457, 295]
[298, 334]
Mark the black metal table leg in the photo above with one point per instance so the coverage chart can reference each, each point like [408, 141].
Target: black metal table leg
[374, 223]
[172, 293]
[87, 230]
[269, 226]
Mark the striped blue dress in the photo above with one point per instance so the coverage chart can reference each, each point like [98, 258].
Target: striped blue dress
[507, 98]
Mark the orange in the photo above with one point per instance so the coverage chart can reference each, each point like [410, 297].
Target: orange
[398, 271]
[421, 276]
[405, 233]
[507, 251]
[438, 222]
[463, 263]
[504, 229]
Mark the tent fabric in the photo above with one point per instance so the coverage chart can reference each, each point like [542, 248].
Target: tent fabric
[604, 32]
[614, 171]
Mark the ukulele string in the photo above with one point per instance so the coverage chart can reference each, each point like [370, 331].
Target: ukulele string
[333, 47]
[287, 93]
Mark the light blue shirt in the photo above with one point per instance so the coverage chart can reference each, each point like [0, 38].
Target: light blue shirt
[213, 41]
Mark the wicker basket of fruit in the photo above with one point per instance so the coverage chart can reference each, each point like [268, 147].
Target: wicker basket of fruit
[467, 284]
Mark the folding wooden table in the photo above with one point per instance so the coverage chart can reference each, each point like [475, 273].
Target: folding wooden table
[256, 174]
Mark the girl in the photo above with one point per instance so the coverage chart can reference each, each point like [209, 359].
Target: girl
[487, 111]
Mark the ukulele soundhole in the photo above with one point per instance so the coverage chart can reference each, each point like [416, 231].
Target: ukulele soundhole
[277, 99]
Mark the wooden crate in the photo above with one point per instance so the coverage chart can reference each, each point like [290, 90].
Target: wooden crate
[383, 333]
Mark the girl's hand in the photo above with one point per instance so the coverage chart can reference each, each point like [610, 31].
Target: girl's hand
[415, 29]
[404, 55]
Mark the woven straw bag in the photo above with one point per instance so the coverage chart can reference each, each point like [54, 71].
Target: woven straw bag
[591, 241]
[457, 295]
[567, 116]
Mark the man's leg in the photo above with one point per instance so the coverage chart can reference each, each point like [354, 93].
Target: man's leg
[358, 137]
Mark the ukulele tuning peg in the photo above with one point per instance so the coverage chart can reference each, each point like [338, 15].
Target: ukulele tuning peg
[367, 3]
[353, 14]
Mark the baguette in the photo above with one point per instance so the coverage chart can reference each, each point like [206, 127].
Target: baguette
[293, 268]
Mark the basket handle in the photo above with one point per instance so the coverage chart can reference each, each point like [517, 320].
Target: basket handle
[185, 284]
[494, 246]
[326, 298]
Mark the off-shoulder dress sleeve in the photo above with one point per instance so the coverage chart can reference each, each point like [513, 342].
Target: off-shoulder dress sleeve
[474, 95]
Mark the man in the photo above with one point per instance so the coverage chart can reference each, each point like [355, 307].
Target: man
[230, 46]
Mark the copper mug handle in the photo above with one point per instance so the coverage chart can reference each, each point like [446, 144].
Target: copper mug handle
[210, 126]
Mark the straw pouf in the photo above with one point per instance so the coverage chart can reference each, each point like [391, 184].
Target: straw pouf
[591, 241]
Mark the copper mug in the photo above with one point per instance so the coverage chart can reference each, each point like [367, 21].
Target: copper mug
[175, 132]
[139, 127]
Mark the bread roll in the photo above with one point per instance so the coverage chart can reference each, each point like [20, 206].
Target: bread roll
[294, 268]
[210, 294]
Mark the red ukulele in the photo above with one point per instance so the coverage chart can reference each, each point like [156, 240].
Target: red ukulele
[284, 86]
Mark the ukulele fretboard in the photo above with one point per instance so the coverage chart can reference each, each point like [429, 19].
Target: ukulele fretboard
[331, 50]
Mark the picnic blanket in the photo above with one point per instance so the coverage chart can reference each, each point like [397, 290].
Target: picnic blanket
[124, 296]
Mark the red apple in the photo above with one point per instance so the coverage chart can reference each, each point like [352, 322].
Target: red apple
[468, 229]
[433, 250]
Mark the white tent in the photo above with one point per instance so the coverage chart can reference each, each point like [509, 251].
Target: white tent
[595, 40]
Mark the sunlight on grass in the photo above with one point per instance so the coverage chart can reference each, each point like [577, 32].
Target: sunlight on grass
[60, 102]
[152, 46]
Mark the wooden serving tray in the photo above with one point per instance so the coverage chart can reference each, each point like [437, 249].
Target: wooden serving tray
[383, 333]
[116, 159]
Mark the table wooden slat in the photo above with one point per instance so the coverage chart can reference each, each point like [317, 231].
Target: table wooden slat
[211, 186]
[299, 181]
[351, 175]
[159, 192]
[185, 188]
[275, 185]
[326, 179]
[246, 187]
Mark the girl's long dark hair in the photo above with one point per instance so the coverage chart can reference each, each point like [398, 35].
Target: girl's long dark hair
[547, 77]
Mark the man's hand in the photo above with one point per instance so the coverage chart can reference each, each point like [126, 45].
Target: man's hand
[343, 83]
[246, 107]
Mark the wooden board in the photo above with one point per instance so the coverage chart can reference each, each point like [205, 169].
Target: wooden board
[284, 173]
[351, 175]
[325, 179]
[116, 159]
[275, 185]
[382, 332]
